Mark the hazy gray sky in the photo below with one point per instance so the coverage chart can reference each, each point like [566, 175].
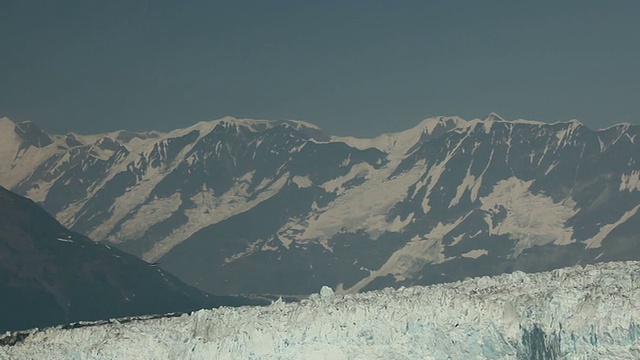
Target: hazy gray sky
[352, 67]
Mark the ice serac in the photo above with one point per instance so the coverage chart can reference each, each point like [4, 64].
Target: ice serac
[449, 198]
[587, 312]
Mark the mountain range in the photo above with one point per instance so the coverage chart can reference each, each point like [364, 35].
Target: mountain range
[281, 207]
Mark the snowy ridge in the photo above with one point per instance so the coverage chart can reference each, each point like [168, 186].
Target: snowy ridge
[140, 150]
[571, 313]
[397, 144]
[18, 161]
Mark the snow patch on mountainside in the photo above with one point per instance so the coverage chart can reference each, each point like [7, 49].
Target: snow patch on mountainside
[474, 254]
[471, 183]
[123, 205]
[596, 241]
[302, 181]
[40, 188]
[572, 313]
[153, 212]
[405, 262]
[363, 207]
[362, 170]
[251, 248]
[38, 191]
[210, 209]
[432, 177]
[630, 182]
[531, 219]
[398, 224]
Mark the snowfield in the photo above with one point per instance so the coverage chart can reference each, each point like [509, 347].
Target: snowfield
[573, 313]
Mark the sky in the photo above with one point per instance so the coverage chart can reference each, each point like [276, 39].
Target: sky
[352, 67]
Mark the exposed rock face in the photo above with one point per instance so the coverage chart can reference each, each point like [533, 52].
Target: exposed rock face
[32, 135]
[252, 206]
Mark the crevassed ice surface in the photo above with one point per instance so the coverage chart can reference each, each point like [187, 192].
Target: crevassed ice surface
[574, 313]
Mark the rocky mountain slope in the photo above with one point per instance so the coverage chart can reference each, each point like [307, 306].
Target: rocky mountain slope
[252, 206]
[50, 275]
[572, 313]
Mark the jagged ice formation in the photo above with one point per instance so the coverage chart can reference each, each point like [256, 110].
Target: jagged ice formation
[571, 313]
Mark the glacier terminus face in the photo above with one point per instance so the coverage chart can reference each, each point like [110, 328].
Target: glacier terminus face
[590, 312]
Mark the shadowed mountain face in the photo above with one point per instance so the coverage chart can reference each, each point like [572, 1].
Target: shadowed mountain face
[250, 206]
[50, 275]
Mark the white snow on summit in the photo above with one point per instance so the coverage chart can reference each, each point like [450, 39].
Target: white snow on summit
[397, 144]
[573, 313]
[20, 160]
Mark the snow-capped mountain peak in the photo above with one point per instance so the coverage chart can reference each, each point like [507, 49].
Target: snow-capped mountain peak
[492, 116]
[397, 144]
[5, 121]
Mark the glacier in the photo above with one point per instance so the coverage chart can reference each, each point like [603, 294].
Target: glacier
[590, 312]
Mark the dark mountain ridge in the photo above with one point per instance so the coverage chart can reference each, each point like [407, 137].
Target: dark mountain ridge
[50, 275]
